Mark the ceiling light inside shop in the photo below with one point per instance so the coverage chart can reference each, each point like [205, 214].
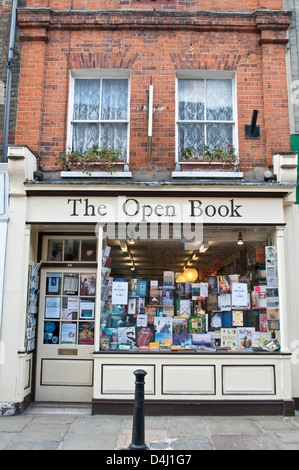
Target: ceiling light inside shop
[240, 239]
[190, 275]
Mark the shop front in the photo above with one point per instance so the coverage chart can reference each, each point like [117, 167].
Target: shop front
[188, 282]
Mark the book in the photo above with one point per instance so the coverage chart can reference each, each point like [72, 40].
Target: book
[212, 302]
[227, 319]
[215, 320]
[163, 338]
[213, 285]
[199, 307]
[167, 295]
[238, 318]
[245, 337]
[223, 284]
[132, 306]
[195, 291]
[224, 302]
[263, 323]
[140, 305]
[141, 288]
[86, 333]
[185, 307]
[180, 325]
[155, 296]
[204, 339]
[127, 335]
[168, 311]
[145, 335]
[251, 318]
[150, 310]
[105, 342]
[261, 339]
[168, 278]
[163, 324]
[133, 288]
[181, 339]
[229, 337]
[197, 324]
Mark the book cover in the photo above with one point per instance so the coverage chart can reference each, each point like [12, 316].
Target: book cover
[185, 307]
[215, 320]
[141, 288]
[163, 324]
[180, 325]
[212, 302]
[263, 323]
[150, 310]
[227, 320]
[132, 306]
[213, 285]
[86, 333]
[251, 318]
[167, 295]
[140, 305]
[245, 337]
[202, 339]
[199, 307]
[133, 288]
[223, 284]
[238, 318]
[229, 337]
[127, 335]
[145, 335]
[225, 303]
[168, 311]
[260, 339]
[168, 278]
[195, 291]
[197, 324]
[155, 296]
[163, 338]
[105, 342]
[181, 339]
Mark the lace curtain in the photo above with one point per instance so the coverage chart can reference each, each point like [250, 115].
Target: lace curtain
[100, 100]
[204, 100]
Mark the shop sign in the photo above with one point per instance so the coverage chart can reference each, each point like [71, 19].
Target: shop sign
[232, 210]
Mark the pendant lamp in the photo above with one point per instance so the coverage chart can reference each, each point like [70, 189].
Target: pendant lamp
[180, 278]
[190, 275]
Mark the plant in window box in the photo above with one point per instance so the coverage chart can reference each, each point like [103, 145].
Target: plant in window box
[105, 158]
[226, 156]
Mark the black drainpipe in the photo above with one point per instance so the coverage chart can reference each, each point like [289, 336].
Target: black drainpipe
[9, 78]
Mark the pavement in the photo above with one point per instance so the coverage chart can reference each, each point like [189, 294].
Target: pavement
[62, 427]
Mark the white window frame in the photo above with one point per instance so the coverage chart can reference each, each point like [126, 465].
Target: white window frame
[204, 75]
[97, 74]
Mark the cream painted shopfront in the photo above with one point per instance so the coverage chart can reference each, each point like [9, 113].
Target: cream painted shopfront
[102, 297]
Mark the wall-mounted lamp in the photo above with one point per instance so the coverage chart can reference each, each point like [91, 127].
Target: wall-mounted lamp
[269, 176]
[252, 131]
[240, 239]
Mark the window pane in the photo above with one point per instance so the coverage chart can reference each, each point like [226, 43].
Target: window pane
[54, 250]
[191, 100]
[86, 99]
[114, 135]
[219, 100]
[71, 250]
[89, 250]
[114, 99]
[219, 135]
[191, 135]
[85, 136]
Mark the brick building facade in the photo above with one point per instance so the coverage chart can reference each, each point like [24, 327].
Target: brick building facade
[155, 79]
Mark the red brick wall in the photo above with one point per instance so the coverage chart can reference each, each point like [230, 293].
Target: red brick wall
[153, 46]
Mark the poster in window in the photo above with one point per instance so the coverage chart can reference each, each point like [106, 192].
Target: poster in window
[53, 283]
[51, 332]
[70, 284]
[68, 333]
[86, 309]
[69, 310]
[86, 333]
[88, 284]
[52, 307]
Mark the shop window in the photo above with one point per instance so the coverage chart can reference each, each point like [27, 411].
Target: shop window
[69, 308]
[99, 113]
[160, 295]
[205, 113]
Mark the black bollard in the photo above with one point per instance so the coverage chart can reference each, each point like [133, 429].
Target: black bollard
[138, 418]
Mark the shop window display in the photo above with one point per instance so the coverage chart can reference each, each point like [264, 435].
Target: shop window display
[225, 299]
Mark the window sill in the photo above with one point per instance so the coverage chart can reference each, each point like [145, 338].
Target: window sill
[96, 174]
[207, 174]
